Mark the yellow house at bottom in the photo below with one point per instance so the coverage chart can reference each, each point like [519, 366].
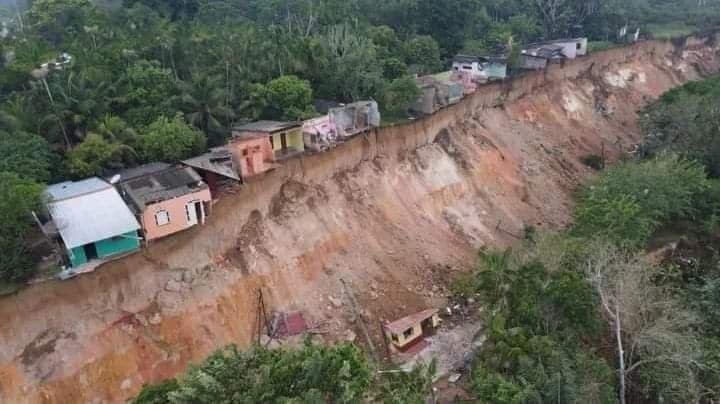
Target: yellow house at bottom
[405, 331]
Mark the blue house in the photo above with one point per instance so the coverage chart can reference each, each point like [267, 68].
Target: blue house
[92, 220]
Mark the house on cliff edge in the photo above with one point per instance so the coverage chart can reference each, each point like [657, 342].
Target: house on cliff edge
[166, 199]
[92, 221]
[217, 168]
[255, 146]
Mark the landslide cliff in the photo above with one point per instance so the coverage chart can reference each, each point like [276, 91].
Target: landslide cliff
[396, 214]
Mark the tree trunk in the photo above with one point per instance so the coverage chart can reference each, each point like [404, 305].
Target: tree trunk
[621, 353]
[68, 144]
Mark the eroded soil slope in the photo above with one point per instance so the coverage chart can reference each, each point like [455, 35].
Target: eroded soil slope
[395, 214]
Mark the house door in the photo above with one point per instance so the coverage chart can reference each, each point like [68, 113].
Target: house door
[194, 213]
[90, 251]
[283, 141]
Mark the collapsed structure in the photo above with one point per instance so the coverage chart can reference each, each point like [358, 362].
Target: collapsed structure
[341, 122]
[217, 168]
[436, 92]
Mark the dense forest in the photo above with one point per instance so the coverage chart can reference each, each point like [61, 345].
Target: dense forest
[620, 307]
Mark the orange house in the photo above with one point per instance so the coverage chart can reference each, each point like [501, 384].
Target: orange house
[165, 199]
[255, 146]
[252, 152]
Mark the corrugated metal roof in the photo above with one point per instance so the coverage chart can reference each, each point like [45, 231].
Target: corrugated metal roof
[218, 161]
[266, 126]
[145, 169]
[70, 189]
[152, 187]
[89, 211]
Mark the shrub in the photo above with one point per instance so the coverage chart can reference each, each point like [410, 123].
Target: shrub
[171, 140]
[313, 373]
[593, 161]
[627, 203]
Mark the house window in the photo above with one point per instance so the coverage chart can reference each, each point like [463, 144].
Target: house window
[272, 142]
[313, 138]
[395, 338]
[162, 218]
[408, 333]
[467, 67]
[578, 46]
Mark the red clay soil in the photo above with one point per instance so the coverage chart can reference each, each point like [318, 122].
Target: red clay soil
[395, 214]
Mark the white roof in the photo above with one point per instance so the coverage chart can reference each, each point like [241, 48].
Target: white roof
[88, 211]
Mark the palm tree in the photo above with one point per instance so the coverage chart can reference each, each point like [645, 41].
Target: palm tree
[204, 102]
[77, 101]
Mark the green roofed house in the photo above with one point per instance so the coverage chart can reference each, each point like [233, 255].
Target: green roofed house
[92, 220]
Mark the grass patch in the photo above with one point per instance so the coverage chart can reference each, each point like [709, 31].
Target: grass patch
[390, 119]
[598, 46]
[670, 30]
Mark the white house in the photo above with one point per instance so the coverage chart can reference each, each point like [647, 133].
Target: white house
[469, 64]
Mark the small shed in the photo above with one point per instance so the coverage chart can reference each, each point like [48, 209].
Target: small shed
[92, 220]
[405, 331]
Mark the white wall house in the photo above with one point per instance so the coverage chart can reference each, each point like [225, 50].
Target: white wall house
[469, 64]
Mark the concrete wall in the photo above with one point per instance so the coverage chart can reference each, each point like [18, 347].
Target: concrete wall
[176, 211]
[569, 48]
[294, 140]
[106, 248]
[258, 152]
[402, 340]
[532, 62]
[582, 49]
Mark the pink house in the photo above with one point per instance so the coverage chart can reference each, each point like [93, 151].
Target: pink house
[319, 133]
[165, 199]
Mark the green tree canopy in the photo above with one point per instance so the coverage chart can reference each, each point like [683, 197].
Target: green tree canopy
[423, 53]
[400, 95]
[25, 154]
[18, 198]
[95, 155]
[146, 92]
[290, 98]
[313, 373]
[628, 202]
[171, 140]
